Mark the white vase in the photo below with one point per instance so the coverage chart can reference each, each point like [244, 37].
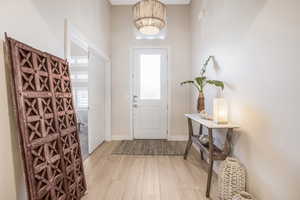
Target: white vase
[243, 196]
[232, 179]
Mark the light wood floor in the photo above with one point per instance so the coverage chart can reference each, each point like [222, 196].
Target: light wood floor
[118, 177]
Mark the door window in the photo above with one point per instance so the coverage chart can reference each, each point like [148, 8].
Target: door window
[150, 80]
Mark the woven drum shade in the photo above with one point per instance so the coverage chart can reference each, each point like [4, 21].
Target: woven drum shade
[149, 16]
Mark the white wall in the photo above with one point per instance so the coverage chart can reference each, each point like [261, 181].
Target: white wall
[256, 44]
[41, 24]
[178, 40]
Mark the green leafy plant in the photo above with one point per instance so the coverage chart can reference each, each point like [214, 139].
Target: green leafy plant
[201, 81]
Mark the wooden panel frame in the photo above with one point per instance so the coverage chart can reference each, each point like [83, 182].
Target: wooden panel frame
[47, 123]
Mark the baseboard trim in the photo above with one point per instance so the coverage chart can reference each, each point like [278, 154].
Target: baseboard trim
[170, 138]
[177, 138]
[120, 137]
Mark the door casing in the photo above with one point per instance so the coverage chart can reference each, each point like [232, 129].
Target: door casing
[74, 35]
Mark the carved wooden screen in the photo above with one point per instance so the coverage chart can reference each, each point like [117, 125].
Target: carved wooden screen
[47, 122]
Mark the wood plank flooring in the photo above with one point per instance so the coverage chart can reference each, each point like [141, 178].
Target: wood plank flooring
[122, 177]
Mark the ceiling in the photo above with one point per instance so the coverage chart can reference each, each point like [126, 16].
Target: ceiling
[130, 2]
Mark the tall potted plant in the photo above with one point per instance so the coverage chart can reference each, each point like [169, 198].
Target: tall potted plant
[200, 83]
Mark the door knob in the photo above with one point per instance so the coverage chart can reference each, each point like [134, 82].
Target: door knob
[135, 105]
[134, 98]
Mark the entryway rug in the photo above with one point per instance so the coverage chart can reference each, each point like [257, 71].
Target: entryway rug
[150, 147]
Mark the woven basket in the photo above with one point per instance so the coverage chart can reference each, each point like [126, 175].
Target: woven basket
[232, 179]
[243, 196]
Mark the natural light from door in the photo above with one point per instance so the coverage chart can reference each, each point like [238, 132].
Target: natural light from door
[150, 77]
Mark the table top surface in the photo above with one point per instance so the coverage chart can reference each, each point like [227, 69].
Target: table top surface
[210, 123]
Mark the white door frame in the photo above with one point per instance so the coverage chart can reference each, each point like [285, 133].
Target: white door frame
[131, 82]
[73, 35]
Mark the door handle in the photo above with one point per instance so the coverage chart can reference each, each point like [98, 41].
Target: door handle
[135, 105]
[134, 98]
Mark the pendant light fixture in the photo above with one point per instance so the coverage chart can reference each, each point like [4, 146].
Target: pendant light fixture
[149, 16]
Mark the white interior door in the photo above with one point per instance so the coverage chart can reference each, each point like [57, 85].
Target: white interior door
[149, 99]
[79, 74]
[96, 100]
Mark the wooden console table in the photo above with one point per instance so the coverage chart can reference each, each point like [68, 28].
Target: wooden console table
[214, 153]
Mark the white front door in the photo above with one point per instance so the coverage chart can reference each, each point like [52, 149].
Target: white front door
[149, 99]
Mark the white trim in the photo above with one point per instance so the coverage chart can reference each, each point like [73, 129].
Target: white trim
[171, 138]
[131, 63]
[178, 138]
[131, 2]
[108, 101]
[120, 137]
[169, 82]
[72, 34]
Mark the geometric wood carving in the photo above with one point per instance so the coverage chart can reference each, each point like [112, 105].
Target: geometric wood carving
[47, 123]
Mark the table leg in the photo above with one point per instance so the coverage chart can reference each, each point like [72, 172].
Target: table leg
[200, 133]
[190, 142]
[227, 146]
[211, 162]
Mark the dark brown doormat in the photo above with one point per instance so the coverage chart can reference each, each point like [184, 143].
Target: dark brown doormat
[150, 148]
